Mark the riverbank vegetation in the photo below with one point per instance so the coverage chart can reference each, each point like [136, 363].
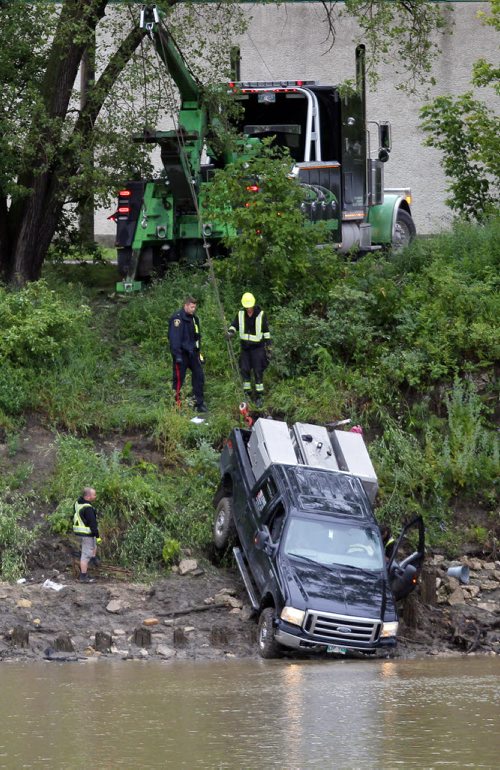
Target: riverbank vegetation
[403, 344]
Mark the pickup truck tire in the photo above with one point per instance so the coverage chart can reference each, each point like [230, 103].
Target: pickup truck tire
[224, 529]
[268, 646]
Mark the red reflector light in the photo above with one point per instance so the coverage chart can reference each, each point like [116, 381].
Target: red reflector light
[124, 209]
[124, 194]
[253, 188]
[299, 82]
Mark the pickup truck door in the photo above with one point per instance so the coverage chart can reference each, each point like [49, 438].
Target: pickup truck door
[404, 570]
[258, 512]
[264, 557]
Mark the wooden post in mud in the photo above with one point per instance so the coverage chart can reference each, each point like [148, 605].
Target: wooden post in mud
[20, 637]
[410, 614]
[428, 585]
[103, 641]
[142, 637]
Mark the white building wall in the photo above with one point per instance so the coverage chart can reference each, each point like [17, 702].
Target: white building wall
[288, 42]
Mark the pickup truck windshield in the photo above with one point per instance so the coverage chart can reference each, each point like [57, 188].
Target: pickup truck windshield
[328, 542]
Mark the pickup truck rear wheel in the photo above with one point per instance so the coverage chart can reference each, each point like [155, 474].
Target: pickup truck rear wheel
[224, 529]
[268, 646]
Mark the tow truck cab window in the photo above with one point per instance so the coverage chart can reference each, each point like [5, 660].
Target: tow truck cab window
[264, 494]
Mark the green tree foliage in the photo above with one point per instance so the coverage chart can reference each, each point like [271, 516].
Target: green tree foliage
[55, 150]
[266, 233]
[467, 131]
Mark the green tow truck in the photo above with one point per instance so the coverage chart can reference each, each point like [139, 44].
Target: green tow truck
[326, 132]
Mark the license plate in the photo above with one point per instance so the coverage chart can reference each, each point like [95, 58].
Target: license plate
[336, 650]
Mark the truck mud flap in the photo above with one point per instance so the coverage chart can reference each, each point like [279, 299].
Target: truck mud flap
[240, 561]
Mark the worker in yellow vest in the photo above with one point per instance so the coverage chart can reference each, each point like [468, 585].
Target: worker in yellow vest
[255, 340]
[85, 527]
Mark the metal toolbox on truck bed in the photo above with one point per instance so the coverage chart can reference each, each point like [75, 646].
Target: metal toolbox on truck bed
[352, 456]
[313, 446]
[269, 443]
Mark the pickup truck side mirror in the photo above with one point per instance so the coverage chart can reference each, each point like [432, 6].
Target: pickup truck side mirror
[403, 580]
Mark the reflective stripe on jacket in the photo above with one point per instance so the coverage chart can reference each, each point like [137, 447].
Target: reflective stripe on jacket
[79, 528]
[244, 320]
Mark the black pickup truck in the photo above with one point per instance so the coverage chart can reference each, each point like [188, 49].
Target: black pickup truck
[310, 553]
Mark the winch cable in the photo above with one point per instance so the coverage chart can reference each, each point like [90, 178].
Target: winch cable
[171, 100]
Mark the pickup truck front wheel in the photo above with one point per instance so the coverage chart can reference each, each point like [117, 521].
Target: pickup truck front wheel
[268, 646]
[224, 529]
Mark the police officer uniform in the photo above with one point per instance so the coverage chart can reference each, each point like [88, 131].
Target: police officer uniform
[184, 337]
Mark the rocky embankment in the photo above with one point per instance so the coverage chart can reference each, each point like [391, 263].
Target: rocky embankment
[201, 612]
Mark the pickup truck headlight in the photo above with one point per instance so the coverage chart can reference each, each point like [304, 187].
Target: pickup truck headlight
[291, 615]
[389, 629]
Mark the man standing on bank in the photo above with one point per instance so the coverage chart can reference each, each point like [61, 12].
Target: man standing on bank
[85, 527]
[255, 340]
[184, 337]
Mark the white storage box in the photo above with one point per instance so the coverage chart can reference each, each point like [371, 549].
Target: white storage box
[313, 446]
[270, 442]
[352, 456]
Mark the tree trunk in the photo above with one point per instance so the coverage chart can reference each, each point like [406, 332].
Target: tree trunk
[27, 229]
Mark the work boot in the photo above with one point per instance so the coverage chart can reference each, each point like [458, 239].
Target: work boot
[84, 578]
[202, 408]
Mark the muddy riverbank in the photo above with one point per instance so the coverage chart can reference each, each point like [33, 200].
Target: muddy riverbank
[203, 614]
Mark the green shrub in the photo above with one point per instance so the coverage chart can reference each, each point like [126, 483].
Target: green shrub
[37, 325]
[470, 452]
[171, 551]
[15, 538]
[142, 546]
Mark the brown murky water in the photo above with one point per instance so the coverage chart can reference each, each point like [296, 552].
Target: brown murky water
[251, 715]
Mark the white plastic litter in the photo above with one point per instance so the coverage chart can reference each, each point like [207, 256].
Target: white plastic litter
[50, 584]
[197, 420]
[21, 580]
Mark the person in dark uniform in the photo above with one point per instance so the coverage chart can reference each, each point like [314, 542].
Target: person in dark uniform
[184, 337]
[255, 340]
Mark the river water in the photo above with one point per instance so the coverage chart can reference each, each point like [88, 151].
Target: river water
[251, 715]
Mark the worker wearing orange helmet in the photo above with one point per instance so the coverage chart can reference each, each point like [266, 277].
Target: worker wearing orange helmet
[255, 341]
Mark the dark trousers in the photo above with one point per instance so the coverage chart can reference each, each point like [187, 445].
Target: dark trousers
[179, 369]
[253, 359]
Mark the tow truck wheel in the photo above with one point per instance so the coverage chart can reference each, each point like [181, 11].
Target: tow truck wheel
[268, 646]
[224, 530]
[404, 230]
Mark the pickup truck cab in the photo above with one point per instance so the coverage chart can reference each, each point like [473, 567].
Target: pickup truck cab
[309, 550]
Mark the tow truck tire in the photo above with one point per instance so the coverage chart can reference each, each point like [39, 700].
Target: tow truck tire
[404, 230]
[268, 646]
[224, 529]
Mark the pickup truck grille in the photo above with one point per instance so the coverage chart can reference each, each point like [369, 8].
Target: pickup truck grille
[343, 630]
